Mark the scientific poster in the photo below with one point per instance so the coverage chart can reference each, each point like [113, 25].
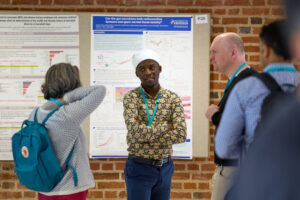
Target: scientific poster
[29, 45]
[114, 40]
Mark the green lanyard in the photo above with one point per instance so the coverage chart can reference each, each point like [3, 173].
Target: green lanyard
[146, 104]
[280, 68]
[231, 79]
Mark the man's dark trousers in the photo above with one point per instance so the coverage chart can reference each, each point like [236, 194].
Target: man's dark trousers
[147, 182]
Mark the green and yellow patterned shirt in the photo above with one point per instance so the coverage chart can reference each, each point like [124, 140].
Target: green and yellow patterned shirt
[155, 141]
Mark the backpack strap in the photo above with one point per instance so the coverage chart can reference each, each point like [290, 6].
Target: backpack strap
[269, 81]
[35, 113]
[66, 165]
[49, 115]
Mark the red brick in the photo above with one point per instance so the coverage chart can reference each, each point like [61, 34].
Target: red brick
[254, 58]
[95, 166]
[26, 2]
[152, 2]
[193, 167]
[95, 194]
[88, 2]
[110, 194]
[176, 185]
[256, 30]
[256, 11]
[201, 195]
[218, 29]
[109, 176]
[181, 176]
[234, 11]
[122, 194]
[131, 2]
[6, 176]
[251, 39]
[202, 176]
[200, 159]
[162, 10]
[236, 3]
[209, 3]
[10, 195]
[47, 9]
[203, 186]
[9, 8]
[110, 2]
[67, 2]
[46, 2]
[188, 10]
[259, 2]
[179, 167]
[8, 166]
[208, 167]
[110, 185]
[133, 10]
[206, 11]
[214, 76]
[29, 194]
[220, 11]
[252, 49]
[217, 85]
[2, 2]
[120, 166]
[107, 166]
[180, 2]
[231, 29]
[275, 2]
[8, 185]
[190, 186]
[90, 10]
[234, 20]
[277, 11]
[180, 195]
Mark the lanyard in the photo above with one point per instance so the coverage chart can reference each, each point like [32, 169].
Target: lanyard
[56, 101]
[280, 68]
[231, 79]
[146, 104]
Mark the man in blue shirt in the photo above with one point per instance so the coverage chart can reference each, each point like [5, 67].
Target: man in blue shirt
[242, 111]
[228, 57]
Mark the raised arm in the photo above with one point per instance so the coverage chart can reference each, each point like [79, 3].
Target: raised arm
[83, 101]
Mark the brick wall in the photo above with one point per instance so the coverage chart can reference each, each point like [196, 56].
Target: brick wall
[192, 179]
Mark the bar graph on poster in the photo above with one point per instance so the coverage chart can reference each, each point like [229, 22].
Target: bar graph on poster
[29, 45]
[114, 40]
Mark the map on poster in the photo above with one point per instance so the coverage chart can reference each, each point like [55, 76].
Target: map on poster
[114, 40]
[29, 45]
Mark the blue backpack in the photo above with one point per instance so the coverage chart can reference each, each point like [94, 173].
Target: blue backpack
[36, 165]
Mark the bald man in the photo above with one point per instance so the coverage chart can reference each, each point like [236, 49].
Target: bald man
[227, 55]
[242, 113]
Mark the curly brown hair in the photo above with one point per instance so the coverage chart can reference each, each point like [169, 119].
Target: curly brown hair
[60, 79]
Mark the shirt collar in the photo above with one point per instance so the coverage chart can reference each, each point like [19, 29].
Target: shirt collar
[273, 65]
[159, 91]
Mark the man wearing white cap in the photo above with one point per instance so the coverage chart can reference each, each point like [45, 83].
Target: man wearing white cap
[155, 121]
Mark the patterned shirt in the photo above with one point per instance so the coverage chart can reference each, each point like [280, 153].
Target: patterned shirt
[242, 110]
[155, 141]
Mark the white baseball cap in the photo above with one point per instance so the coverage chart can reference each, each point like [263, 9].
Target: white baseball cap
[145, 54]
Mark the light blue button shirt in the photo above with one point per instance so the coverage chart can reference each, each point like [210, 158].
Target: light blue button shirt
[239, 120]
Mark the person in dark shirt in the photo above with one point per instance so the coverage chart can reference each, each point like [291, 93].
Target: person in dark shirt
[227, 55]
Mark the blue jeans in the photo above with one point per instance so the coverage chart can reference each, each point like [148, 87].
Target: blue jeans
[146, 182]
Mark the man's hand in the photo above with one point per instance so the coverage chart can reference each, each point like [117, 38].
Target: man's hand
[171, 127]
[137, 118]
[212, 109]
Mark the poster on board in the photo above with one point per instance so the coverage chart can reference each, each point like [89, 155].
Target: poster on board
[114, 40]
[29, 45]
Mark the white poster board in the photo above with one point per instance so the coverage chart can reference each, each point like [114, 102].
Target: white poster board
[114, 39]
[29, 45]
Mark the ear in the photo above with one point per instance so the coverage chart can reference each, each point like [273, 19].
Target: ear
[136, 73]
[266, 51]
[159, 68]
[234, 52]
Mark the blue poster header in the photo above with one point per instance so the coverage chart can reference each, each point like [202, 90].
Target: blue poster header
[141, 23]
